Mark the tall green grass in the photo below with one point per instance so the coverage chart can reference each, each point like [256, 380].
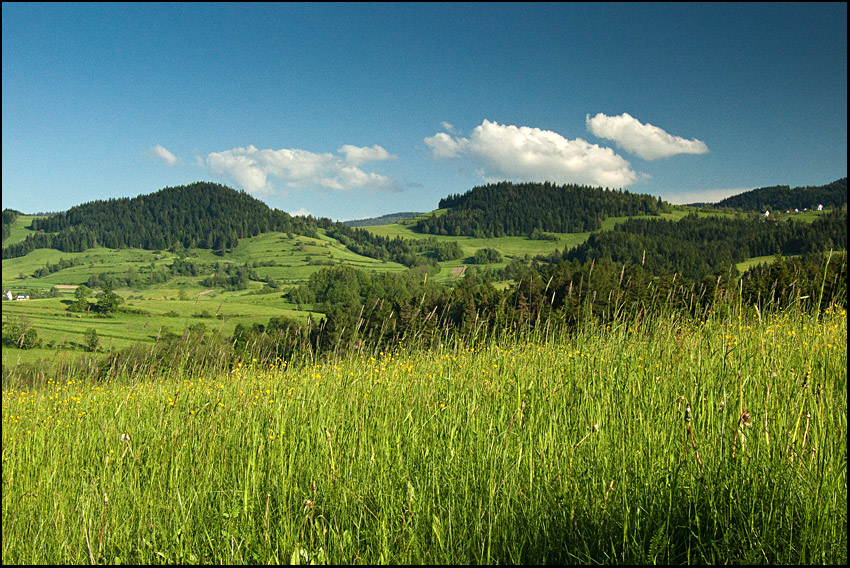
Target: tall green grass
[654, 440]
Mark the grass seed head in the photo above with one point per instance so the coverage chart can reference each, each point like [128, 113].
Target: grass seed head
[745, 421]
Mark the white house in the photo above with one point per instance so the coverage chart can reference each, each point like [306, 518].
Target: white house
[8, 294]
[767, 213]
[820, 207]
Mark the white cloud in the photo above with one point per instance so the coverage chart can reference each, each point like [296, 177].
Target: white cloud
[160, 152]
[444, 146]
[355, 155]
[647, 141]
[251, 168]
[532, 154]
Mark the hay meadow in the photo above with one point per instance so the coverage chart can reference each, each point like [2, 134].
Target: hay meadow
[721, 439]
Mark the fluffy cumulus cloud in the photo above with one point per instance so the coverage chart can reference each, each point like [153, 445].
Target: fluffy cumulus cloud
[531, 154]
[647, 141]
[161, 153]
[251, 168]
[354, 155]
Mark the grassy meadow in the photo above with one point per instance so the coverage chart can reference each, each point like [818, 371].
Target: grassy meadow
[719, 440]
[171, 306]
[143, 320]
[511, 248]
[182, 301]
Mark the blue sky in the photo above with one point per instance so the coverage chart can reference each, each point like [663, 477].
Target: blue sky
[357, 110]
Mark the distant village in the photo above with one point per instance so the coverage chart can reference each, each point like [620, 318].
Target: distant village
[9, 296]
[820, 208]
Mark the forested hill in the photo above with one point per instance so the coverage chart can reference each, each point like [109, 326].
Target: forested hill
[202, 214]
[698, 246]
[783, 198]
[506, 208]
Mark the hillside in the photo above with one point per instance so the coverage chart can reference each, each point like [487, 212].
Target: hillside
[203, 215]
[784, 198]
[388, 219]
[518, 221]
[699, 246]
[358, 282]
[511, 209]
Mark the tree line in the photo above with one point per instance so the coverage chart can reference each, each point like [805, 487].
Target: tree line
[198, 215]
[522, 209]
[696, 246]
[784, 198]
[378, 310]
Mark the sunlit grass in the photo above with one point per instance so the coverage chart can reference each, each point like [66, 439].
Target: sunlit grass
[535, 449]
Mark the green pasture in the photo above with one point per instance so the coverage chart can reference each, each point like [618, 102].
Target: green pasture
[141, 319]
[158, 308]
[294, 259]
[290, 259]
[511, 248]
[755, 261]
[19, 230]
[18, 272]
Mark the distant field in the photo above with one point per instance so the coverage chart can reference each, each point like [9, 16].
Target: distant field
[18, 272]
[60, 330]
[159, 307]
[295, 259]
[19, 229]
[152, 310]
[754, 261]
[511, 248]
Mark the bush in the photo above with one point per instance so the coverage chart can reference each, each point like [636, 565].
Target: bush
[19, 332]
[92, 339]
[81, 302]
[486, 256]
[107, 300]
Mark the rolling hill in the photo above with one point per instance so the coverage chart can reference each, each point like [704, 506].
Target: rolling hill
[207, 256]
[785, 198]
[382, 220]
[513, 209]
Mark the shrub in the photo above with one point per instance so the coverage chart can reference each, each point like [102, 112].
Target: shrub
[19, 332]
[486, 256]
